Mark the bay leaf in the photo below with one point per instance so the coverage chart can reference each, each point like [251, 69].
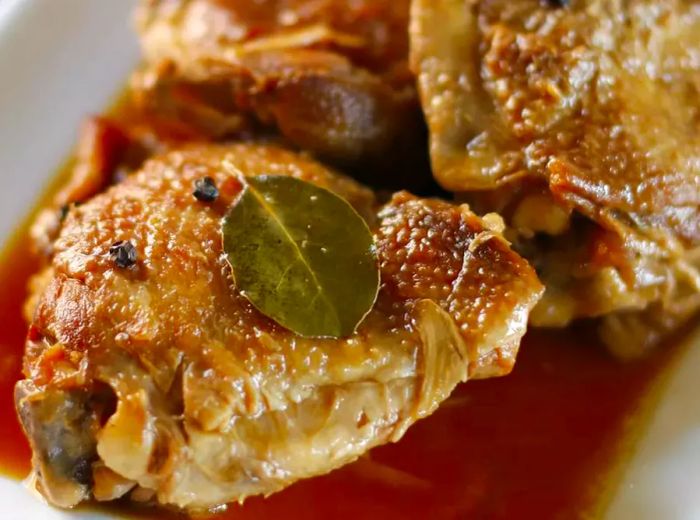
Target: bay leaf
[301, 255]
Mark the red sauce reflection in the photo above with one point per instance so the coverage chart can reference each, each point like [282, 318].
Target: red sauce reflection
[16, 266]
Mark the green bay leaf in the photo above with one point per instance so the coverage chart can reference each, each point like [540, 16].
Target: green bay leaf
[302, 256]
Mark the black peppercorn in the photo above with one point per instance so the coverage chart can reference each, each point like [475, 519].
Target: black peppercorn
[205, 190]
[123, 253]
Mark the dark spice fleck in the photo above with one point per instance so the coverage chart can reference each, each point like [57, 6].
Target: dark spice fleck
[82, 471]
[65, 209]
[63, 212]
[205, 189]
[123, 253]
[559, 3]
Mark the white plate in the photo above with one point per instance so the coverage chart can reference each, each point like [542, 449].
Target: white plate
[63, 59]
[60, 60]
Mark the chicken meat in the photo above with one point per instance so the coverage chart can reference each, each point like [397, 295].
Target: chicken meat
[332, 76]
[578, 122]
[159, 382]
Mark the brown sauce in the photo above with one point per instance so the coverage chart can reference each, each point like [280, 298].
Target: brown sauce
[548, 441]
[17, 265]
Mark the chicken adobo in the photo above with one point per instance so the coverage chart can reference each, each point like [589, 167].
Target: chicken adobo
[562, 137]
[577, 122]
[148, 373]
[332, 76]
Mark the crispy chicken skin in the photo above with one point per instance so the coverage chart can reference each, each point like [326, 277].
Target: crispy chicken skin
[582, 121]
[161, 383]
[332, 75]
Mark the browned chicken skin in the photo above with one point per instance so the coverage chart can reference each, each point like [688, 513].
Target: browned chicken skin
[161, 382]
[331, 75]
[582, 121]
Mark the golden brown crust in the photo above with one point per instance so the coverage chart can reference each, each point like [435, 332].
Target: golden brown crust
[331, 76]
[591, 107]
[430, 249]
[195, 368]
[371, 33]
[602, 109]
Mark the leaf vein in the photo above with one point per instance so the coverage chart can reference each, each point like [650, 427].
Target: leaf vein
[319, 287]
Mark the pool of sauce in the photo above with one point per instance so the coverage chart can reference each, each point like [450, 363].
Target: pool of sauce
[548, 441]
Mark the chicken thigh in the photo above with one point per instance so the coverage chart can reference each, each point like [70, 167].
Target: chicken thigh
[162, 383]
[578, 122]
[332, 76]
